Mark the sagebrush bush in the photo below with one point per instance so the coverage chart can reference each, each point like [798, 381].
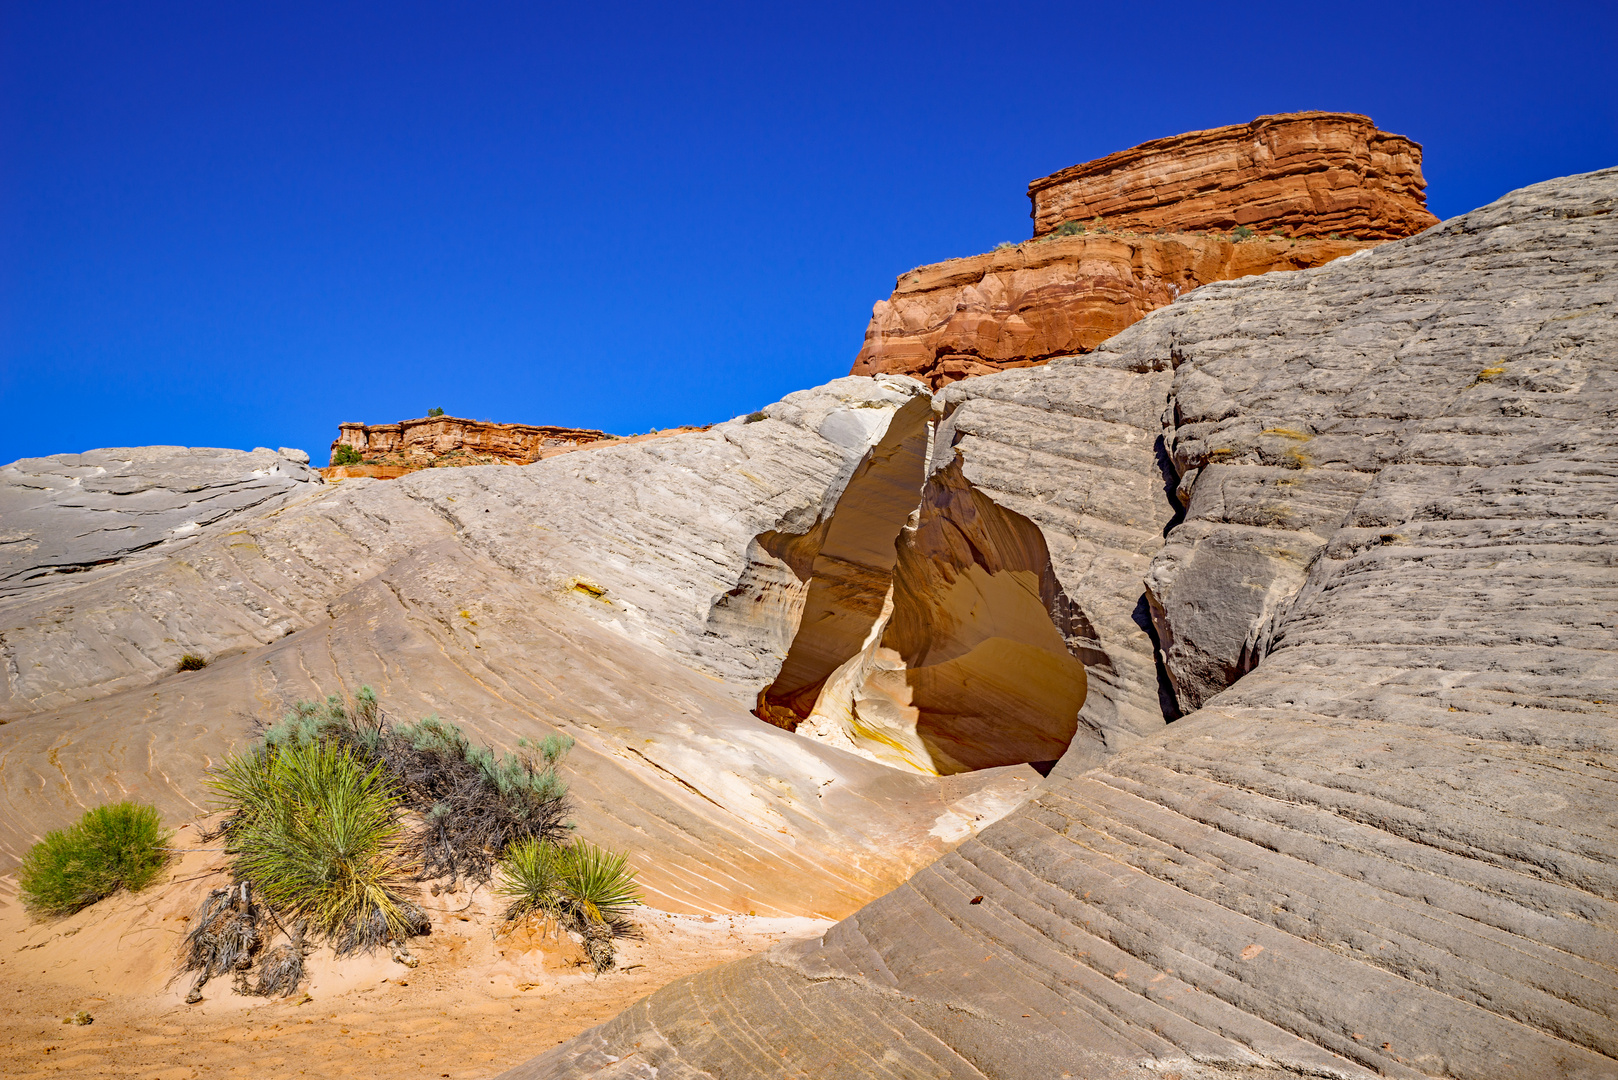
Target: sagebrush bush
[1070, 228]
[191, 662]
[474, 803]
[588, 889]
[110, 848]
[316, 830]
[345, 455]
[1241, 232]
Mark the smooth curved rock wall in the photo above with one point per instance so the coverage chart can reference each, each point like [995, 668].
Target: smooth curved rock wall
[1388, 849]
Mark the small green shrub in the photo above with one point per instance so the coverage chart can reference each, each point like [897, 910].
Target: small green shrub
[192, 662]
[1070, 228]
[588, 889]
[435, 412]
[1242, 232]
[754, 417]
[474, 803]
[316, 831]
[110, 848]
[345, 455]
[1004, 245]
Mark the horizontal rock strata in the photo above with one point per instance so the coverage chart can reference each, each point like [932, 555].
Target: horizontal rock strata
[1388, 849]
[1310, 174]
[1024, 305]
[423, 441]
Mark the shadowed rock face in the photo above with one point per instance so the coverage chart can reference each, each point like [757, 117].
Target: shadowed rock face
[1387, 849]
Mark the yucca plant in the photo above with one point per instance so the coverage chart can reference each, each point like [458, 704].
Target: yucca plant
[316, 830]
[121, 846]
[587, 889]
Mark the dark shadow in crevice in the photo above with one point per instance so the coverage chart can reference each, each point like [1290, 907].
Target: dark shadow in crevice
[1171, 486]
[1166, 698]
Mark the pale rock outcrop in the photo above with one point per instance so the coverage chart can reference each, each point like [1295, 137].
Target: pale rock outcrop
[68, 513]
[1308, 174]
[1388, 849]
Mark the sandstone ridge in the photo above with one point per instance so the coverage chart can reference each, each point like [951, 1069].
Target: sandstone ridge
[1309, 174]
[1369, 540]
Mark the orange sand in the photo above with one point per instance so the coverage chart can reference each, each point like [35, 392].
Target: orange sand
[481, 1000]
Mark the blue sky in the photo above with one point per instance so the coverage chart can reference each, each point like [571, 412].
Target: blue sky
[239, 224]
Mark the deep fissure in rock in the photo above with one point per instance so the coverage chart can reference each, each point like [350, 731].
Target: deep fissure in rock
[927, 639]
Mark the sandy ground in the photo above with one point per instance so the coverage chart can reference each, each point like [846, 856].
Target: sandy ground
[482, 998]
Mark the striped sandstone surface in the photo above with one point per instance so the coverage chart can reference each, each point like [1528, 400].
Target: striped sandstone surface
[1380, 841]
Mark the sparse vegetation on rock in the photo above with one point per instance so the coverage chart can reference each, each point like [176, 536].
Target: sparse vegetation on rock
[110, 848]
[191, 662]
[345, 455]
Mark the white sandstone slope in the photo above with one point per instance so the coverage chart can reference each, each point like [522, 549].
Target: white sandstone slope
[586, 594]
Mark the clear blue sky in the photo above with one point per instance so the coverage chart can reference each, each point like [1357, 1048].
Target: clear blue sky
[237, 224]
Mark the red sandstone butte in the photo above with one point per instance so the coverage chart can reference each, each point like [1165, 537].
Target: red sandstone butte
[1023, 305]
[1309, 174]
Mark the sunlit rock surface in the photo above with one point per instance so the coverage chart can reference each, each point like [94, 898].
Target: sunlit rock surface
[591, 594]
[1388, 850]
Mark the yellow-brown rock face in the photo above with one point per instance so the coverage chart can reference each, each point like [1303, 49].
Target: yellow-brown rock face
[1310, 174]
[1058, 296]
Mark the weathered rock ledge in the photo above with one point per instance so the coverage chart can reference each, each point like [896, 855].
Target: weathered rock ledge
[1057, 296]
[1313, 174]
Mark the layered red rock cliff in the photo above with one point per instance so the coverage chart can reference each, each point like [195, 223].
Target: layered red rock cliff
[1309, 174]
[1281, 193]
[1023, 305]
[391, 450]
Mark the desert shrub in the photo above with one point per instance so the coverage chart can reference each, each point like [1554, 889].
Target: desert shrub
[755, 417]
[315, 829]
[191, 662]
[1070, 228]
[110, 848]
[1241, 232]
[474, 803]
[345, 455]
[1004, 245]
[588, 889]
[435, 412]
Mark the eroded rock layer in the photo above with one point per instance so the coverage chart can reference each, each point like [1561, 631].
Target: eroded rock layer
[1021, 306]
[1308, 174]
[1388, 849]
[451, 440]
